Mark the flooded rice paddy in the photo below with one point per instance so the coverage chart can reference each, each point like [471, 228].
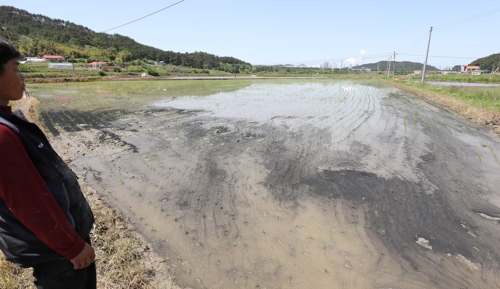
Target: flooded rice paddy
[290, 184]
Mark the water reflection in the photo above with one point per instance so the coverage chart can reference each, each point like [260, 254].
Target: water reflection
[302, 184]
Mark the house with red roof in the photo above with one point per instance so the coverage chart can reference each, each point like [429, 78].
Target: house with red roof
[468, 69]
[53, 57]
[97, 64]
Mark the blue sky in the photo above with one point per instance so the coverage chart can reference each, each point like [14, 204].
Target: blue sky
[295, 32]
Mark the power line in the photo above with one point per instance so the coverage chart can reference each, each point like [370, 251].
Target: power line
[439, 56]
[144, 16]
[470, 18]
[417, 43]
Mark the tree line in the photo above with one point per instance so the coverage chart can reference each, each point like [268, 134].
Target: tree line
[491, 62]
[35, 35]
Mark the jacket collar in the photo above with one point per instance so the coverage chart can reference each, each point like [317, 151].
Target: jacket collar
[6, 108]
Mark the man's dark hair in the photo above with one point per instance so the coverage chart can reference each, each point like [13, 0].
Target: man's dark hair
[7, 52]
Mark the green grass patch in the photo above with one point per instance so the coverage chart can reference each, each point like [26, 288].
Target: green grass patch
[115, 95]
[480, 97]
[468, 78]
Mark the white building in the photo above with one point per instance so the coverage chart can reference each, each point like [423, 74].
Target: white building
[33, 59]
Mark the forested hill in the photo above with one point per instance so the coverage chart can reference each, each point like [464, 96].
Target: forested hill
[36, 35]
[401, 66]
[491, 62]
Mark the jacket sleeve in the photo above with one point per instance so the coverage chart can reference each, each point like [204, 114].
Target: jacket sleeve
[29, 199]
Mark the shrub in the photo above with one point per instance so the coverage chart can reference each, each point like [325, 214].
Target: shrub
[102, 73]
[26, 68]
[134, 69]
[35, 75]
[153, 72]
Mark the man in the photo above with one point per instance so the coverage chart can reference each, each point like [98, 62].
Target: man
[45, 220]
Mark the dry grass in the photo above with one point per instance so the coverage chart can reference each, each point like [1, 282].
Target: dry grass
[12, 277]
[120, 253]
[123, 258]
[30, 107]
[476, 114]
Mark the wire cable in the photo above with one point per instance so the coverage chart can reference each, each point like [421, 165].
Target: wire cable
[144, 16]
[423, 37]
[439, 56]
[469, 18]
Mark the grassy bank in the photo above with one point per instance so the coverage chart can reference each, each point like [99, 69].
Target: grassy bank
[480, 104]
[483, 78]
[487, 98]
[123, 258]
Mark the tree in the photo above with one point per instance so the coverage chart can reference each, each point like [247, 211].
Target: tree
[97, 42]
[123, 55]
[112, 52]
[74, 42]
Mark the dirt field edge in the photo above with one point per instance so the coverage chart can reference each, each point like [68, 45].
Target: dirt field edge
[124, 258]
[477, 115]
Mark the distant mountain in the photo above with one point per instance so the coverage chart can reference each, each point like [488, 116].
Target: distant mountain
[38, 32]
[491, 62]
[400, 66]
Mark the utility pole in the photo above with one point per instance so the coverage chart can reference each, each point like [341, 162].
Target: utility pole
[389, 70]
[426, 55]
[394, 68]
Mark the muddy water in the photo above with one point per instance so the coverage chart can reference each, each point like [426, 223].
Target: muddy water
[292, 184]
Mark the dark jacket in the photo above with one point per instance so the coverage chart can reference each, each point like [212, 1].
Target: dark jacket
[17, 242]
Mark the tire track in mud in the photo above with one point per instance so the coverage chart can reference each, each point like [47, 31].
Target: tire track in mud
[281, 176]
[283, 203]
[426, 220]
